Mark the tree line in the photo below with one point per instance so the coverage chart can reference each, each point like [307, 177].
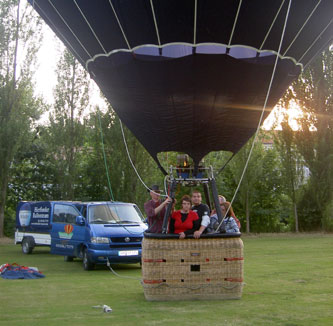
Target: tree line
[75, 155]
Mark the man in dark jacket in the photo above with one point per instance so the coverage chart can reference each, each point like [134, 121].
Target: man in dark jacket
[200, 209]
[155, 209]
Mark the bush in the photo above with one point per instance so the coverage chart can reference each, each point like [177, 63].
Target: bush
[327, 220]
[9, 223]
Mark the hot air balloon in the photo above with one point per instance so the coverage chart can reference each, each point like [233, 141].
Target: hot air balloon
[192, 76]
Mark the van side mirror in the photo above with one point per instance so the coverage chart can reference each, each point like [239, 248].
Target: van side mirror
[80, 220]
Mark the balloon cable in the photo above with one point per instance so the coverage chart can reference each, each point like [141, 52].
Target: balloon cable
[262, 113]
[225, 164]
[104, 156]
[133, 166]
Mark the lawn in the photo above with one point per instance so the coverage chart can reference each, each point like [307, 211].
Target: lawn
[289, 281]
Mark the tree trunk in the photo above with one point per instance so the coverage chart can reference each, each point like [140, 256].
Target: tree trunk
[296, 218]
[3, 197]
[11, 101]
[71, 169]
[247, 212]
[16, 42]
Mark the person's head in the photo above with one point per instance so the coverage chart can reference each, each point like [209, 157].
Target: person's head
[225, 207]
[154, 192]
[196, 197]
[186, 203]
[222, 199]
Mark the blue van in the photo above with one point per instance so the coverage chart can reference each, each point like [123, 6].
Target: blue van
[97, 232]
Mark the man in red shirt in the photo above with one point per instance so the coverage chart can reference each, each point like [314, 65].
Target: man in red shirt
[155, 209]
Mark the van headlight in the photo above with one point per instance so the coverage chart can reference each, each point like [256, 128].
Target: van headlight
[99, 240]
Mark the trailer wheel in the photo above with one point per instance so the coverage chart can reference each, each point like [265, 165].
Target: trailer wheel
[68, 258]
[28, 245]
[87, 264]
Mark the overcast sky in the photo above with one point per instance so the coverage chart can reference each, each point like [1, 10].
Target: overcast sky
[45, 76]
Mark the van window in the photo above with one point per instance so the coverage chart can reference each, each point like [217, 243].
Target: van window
[82, 209]
[64, 214]
[113, 213]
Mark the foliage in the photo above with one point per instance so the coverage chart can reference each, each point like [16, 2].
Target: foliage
[292, 166]
[258, 200]
[125, 184]
[328, 217]
[66, 130]
[314, 94]
[19, 110]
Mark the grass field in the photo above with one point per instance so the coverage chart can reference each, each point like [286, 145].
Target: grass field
[289, 281]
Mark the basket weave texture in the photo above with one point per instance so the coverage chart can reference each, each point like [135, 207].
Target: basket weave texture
[192, 269]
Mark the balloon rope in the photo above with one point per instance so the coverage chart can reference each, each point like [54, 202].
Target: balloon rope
[317, 38]
[133, 166]
[57, 31]
[300, 30]
[76, 37]
[261, 116]
[119, 24]
[104, 156]
[92, 30]
[195, 22]
[155, 23]
[225, 164]
[273, 22]
[235, 22]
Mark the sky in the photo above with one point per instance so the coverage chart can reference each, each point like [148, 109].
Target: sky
[45, 76]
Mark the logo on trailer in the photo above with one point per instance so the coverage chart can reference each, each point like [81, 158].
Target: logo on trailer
[25, 214]
[68, 234]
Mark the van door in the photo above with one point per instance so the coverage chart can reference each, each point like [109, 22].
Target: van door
[66, 235]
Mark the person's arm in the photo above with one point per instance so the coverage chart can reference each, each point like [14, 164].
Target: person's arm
[198, 233]
[204, 223]
[162, 205]
[151, 211]
[233, 225]
[230, 225]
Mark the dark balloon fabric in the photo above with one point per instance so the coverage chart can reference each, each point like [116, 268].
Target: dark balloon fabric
[191, 75]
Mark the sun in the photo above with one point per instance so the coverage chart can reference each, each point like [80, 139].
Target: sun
[294, 113]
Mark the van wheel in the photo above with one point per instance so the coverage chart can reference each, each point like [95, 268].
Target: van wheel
[87, 264]
[68, 258]
[27, 246]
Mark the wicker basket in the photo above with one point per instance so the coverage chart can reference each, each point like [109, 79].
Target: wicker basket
[191, 269]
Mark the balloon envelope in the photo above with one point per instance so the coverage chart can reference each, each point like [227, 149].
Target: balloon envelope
[191, 75]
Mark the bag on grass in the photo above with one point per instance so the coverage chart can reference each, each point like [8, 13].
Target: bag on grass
[15, 271]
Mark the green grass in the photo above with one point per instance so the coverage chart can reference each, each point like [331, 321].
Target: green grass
[289, 281]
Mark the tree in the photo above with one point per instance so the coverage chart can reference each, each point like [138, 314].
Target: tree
[258, 201]
[67, 129]
[125, 184]
[292, 165]
[18, 108]
[246, 194]
[314, 94]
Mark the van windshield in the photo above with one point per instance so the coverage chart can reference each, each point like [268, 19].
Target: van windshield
[114, 214]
